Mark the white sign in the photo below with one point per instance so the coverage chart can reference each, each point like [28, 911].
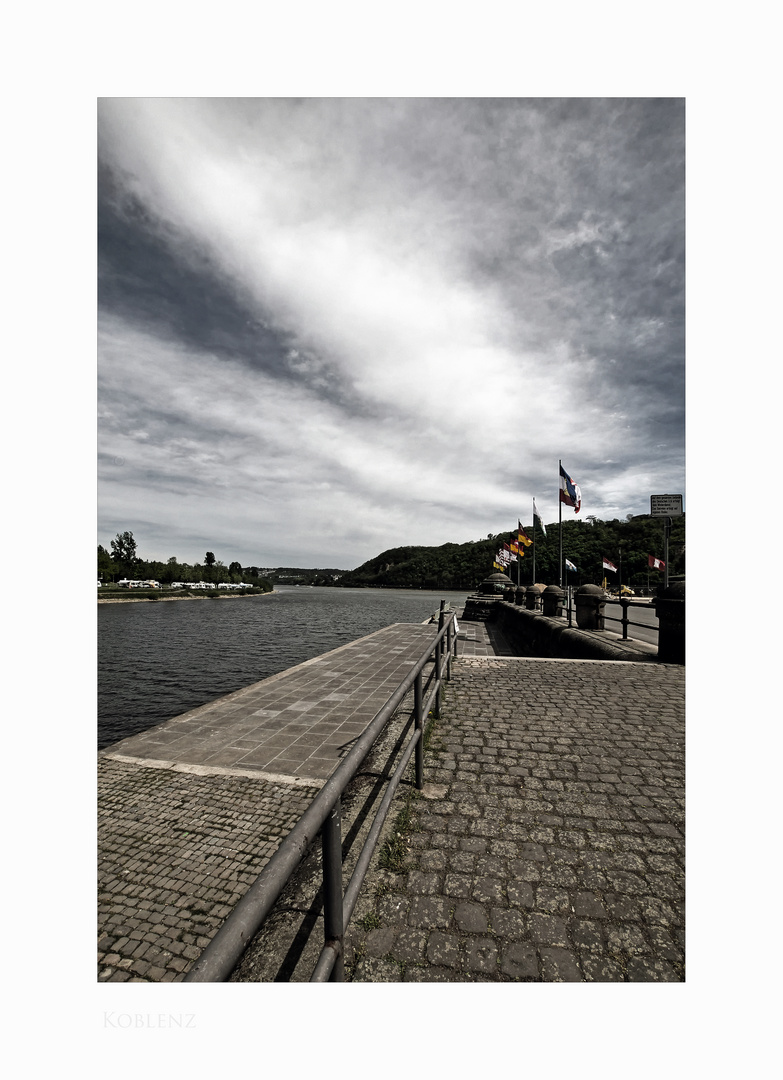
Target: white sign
[666, 505]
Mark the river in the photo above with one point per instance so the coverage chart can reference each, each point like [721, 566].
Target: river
[159, 659]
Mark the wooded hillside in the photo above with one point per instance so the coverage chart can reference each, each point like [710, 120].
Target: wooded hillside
[586, 543]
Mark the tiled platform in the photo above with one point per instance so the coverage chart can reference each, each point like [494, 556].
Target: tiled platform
[292, 727]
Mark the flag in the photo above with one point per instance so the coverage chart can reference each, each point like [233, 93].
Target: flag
[569, 491]
[507, 551]
[569, 565]
[522, 536]
[514, 547]
[537, 515]
[609, 565]
[655, 564]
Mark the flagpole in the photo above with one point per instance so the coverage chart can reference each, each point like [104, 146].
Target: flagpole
[534, 543]
[560, 521]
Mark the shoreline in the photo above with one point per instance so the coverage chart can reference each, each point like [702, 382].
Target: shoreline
[165, 599]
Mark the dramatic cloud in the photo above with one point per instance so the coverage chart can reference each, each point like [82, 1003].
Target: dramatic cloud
[331, 326]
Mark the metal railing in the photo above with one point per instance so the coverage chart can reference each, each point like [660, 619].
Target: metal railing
[624, 621]
[221, 956]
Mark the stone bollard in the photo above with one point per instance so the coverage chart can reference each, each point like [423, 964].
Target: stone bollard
[519, 595]
[590, 602]
[531, 595]
[670, 609]
[552, 600]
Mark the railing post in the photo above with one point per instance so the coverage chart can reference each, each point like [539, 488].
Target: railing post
[332, 847]
[439, 657]
[418, 719]
[624, 604]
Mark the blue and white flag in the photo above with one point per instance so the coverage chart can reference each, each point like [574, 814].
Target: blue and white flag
[569, 491]
[569, 565]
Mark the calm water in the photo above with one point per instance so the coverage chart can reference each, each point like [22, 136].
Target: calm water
[157, 660]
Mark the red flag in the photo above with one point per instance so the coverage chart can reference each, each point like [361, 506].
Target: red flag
[655, 564]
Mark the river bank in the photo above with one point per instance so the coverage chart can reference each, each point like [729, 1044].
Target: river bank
[189, 596]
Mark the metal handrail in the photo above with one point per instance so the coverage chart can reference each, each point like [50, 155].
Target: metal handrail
[623, 619]
[224, 951]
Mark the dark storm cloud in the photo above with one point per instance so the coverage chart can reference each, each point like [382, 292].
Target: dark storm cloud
[152, 276]
[145, 279]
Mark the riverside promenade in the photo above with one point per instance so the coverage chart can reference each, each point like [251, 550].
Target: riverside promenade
[548, 842]
[190, 811]
[547, 845]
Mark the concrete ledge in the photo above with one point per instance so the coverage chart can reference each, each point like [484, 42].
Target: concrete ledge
[531, 634]
[212, 770]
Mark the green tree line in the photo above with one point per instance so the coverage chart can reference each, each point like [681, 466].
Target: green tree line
[586, 543]
[122, 561]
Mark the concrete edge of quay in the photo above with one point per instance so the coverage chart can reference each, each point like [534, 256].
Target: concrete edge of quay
[208, 770]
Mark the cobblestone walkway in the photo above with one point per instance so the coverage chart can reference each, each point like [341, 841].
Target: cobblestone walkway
[548, 844]
[176, 851]
[191, 811]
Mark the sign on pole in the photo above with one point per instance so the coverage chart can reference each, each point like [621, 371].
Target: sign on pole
[666, 505]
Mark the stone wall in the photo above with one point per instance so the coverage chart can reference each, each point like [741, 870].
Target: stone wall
[530, 633]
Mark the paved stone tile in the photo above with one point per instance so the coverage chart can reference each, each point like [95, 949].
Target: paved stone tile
[194, 844]
[519, 961]
[551, 841]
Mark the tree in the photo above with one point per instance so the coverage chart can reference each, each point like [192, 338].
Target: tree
[123, 551]
[170, 572]
[106, 567]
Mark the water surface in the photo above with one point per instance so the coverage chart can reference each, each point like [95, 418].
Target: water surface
[159, 659]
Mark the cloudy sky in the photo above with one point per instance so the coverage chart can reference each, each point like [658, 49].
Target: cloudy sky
[332, 326]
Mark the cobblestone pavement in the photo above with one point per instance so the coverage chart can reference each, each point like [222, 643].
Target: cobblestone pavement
[548, 844]
[176, 851]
